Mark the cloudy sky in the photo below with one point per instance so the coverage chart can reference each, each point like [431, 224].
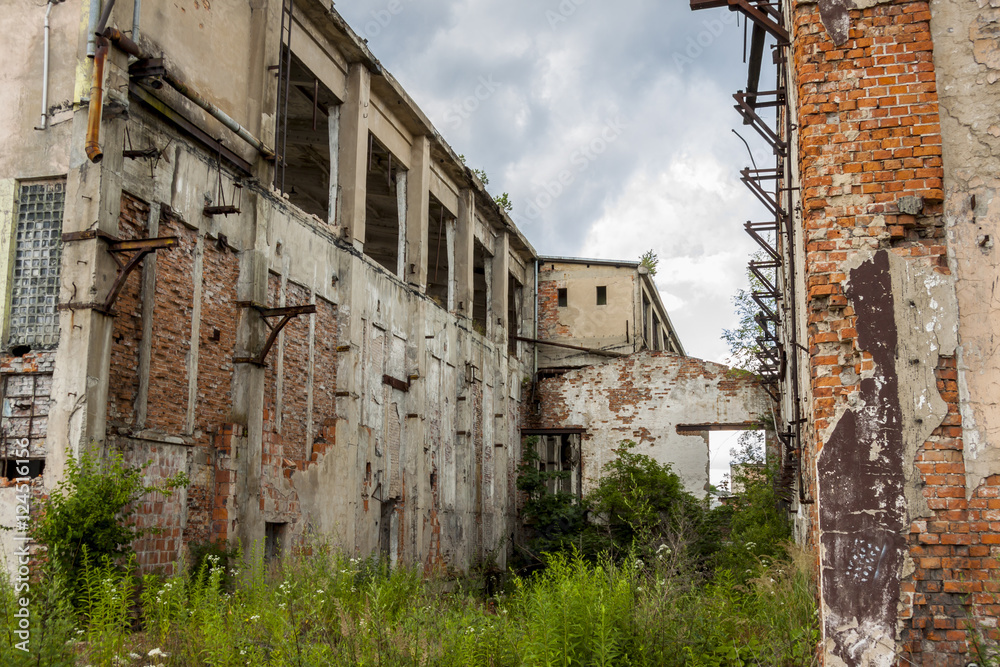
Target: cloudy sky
[609, 123]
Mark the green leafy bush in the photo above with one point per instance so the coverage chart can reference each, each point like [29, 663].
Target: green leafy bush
[91, 514]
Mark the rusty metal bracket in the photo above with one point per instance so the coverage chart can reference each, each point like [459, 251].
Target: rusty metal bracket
[753, 229]
[140, 248]
[116, 246]
[763, 14]
[747, 106]
[754, 179]
[286, 314]
[395, 384]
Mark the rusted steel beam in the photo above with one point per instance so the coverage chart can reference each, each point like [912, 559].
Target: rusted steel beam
[761, 13]
[605, 353]
[286, 314]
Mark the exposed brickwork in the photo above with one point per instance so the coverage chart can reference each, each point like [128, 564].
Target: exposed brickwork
[171, 344]
[644, 397]
[127, 335]
[549, 326]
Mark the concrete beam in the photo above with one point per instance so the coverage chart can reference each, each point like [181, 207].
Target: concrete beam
[465, 240]
[418, 203]
[353, 171]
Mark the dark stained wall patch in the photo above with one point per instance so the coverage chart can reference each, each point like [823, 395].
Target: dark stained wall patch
[836, 18]
[861, 483]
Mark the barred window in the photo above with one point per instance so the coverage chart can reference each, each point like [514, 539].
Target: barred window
[34, 321]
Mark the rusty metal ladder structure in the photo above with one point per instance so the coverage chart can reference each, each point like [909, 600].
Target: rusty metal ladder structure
[772, 189]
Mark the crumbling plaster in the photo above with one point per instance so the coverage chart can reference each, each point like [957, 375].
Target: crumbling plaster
[644, 397]
[967, 63]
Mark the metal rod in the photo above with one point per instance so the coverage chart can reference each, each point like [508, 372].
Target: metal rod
[105, 15]
[136, 12]
[95, 16]
[603, 353]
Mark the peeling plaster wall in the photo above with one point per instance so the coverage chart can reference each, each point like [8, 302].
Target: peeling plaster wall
[644, 397]
[967, 62]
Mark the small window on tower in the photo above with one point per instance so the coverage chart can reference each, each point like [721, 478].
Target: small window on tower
[602, 296]
[562, 297]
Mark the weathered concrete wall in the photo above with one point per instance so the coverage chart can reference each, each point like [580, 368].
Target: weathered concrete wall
[645, 397]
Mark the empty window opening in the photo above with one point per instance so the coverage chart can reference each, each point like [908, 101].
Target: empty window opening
[734, 458]
[388, 532]
[34, 321]
[303, 140]
[563, 296]
[602, 295]
[560, 453]
[481, 273]
[515, 302]
[383, 203]
[12, 469]
[274, 539]
[440, 246]
[656, 332]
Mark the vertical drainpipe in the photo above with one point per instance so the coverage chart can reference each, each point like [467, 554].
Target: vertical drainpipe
[136, 11]
[95, 15]
[93, 146]
[44, 122]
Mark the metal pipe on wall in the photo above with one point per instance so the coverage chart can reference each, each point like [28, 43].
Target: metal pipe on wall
[44, 122]
[93, 145]
[95, 16]
[136, 11]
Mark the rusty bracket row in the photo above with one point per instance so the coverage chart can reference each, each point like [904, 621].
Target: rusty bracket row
[118, 248]
[763, 14]
[286, 314]
[755, 179]
[747, 105]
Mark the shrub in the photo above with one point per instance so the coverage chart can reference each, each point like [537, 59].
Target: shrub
[555, 521]
[91, 512]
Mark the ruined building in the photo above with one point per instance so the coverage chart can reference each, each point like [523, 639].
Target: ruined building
[878, 309]
[232, 246]
[243, 252]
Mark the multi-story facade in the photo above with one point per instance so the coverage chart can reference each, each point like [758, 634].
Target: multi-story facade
[593, 309]
[234, 247]
[881, 320]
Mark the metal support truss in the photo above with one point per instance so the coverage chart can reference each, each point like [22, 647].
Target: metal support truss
[118, 248]
[754, 179]
[286, 315]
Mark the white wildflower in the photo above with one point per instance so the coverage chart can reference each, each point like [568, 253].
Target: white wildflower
[157, 652]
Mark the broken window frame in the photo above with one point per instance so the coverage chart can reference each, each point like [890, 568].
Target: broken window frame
[554, 458]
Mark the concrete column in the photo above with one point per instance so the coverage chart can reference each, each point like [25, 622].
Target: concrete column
[449, 230]
[93, 201]
[417, 212]
[333, 209]
[501, 283]
[465, 243]
[353, 150]
[401, 215]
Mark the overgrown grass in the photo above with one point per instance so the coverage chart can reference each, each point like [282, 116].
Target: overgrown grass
[326, 609]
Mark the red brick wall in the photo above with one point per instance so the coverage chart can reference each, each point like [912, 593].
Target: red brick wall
[171, 344]
[549, 327]
[127, 332]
